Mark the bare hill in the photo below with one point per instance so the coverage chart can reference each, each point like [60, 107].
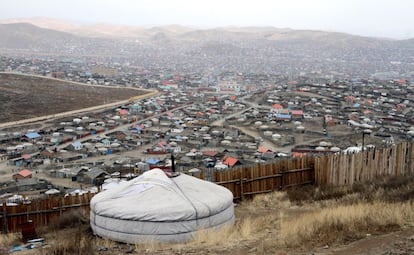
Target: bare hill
[178, 32]
[25, 35]
[108, 37]
[246, 49]
[24, 96]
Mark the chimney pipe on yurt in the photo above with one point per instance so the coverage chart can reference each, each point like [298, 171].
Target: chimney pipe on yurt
[173, 173]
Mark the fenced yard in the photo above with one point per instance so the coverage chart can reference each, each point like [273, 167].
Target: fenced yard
[247, 181]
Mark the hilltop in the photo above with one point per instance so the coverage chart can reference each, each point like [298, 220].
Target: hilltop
[242, 49]
[177, 32]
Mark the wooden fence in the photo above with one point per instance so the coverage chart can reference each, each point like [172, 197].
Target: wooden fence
[41, 212]
[332, 169]
[262, 178]
[346, 169]
[246, 181]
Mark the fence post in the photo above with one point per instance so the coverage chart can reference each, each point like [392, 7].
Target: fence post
[5, 224]
[282, 174]
[241, 188]
[60, 206]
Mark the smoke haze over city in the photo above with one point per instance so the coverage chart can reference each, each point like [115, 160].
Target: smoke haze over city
[377, 18]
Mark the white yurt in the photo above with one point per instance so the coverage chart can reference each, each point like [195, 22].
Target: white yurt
[324, 144]
[335, 149]
[276, 136]
[300, 128]
[155, 207]
[225, 142]
[77, 121]
[267, 133]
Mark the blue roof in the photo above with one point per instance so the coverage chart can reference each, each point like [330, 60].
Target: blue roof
[152, 161]
[32, 135]
[283, 116]
[77, 144]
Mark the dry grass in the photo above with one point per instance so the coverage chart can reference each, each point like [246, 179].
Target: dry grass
[252, 224]
[392, 189]
[8, 240]
[274, 200]
[244, 229]
[72, 241]
[71, 219]
[341, 223]
[295, 219]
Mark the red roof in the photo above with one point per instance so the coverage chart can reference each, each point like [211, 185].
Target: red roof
[298, 154]
[230, 161]
[297, 112]
[210, 153]
[26, 156]
[25, 172]
[263, 149]
[123, 112]
[277, 106]
[167, 82]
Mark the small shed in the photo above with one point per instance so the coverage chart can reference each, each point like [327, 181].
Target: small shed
[32, 135]
[297, 114]
[231, 161]
[92, 176]
[75, 146]
[23, 174]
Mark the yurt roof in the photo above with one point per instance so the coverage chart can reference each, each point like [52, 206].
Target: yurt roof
[156, 207]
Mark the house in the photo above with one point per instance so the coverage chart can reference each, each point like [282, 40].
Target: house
[3, 157]
[277, 108]
[231, 161]
[283, 117]
[297, 114]
[48, 153]
[70, 156]
[23, 174]
[94, 176]
[123, 112]
[106, 142]
[32, 136]
[31, 184]
[152, 161]
[121, 137]
[263, 149]
[75, 146]
[71, 172]
[269, 155]
[210, 153]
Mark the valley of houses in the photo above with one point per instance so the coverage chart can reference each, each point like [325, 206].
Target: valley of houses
[208, 128]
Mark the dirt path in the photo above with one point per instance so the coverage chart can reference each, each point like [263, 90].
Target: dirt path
[399, 242]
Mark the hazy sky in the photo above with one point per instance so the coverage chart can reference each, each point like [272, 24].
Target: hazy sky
[381, 18]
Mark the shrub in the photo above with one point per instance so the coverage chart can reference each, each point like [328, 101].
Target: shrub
[73, 218]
